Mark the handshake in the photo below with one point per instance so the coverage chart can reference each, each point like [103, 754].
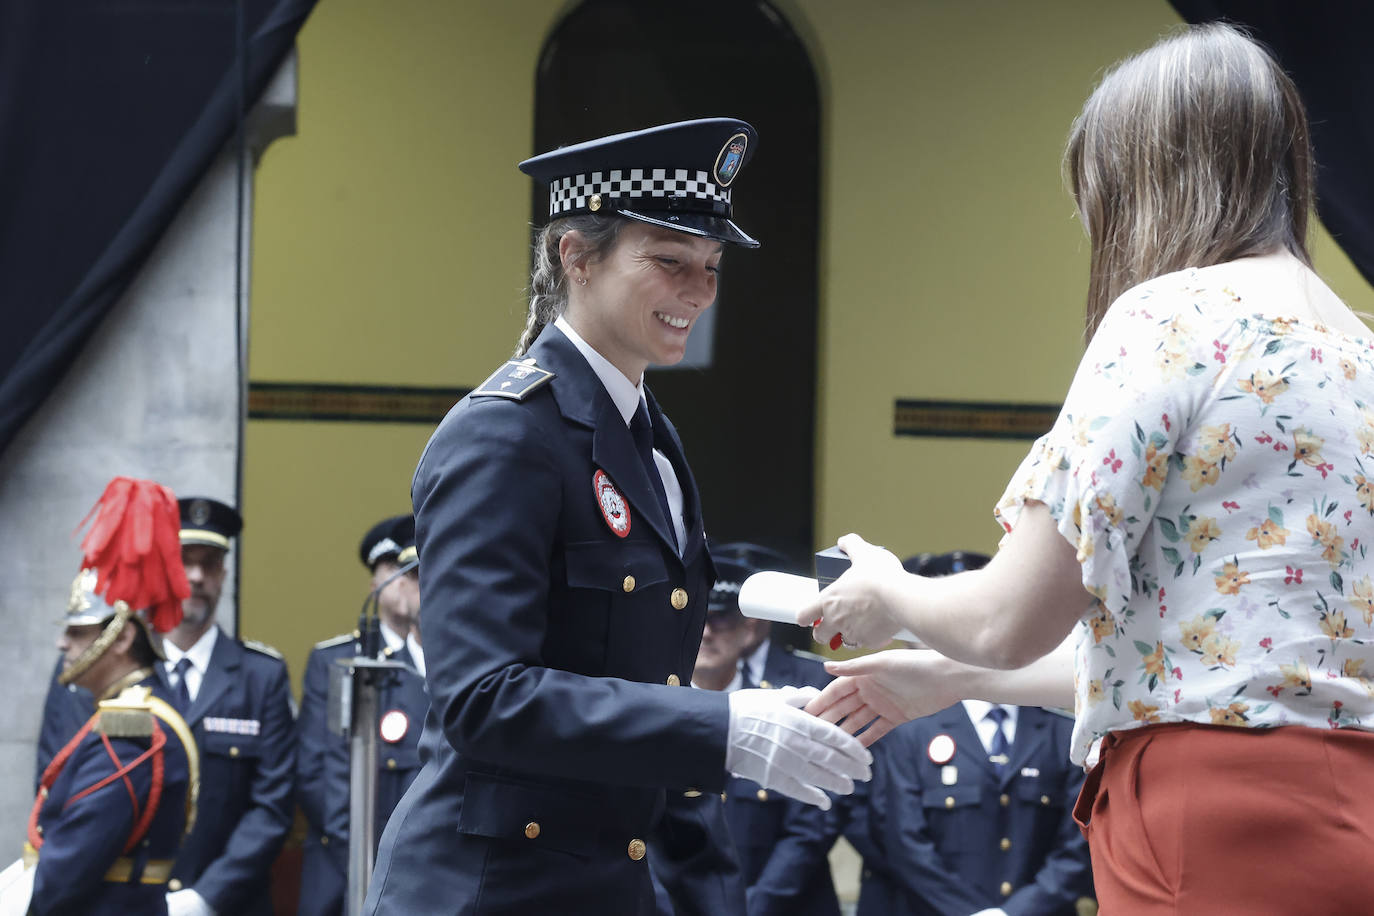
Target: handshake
[773, 742]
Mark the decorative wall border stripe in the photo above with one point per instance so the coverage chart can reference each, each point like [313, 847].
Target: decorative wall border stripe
[350, 403]
[972, 419]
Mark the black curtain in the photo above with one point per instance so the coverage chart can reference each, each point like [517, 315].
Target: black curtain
[1328, 50]
[110, 112]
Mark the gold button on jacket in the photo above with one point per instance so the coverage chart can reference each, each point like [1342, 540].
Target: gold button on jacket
[673, 680]
[628, 584]
[532, 829]
[762, 794]
[1005, 888]
[636, 849]
[1005, 844]
[679, 598]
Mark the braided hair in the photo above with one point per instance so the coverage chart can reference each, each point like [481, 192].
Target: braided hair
[548, 281]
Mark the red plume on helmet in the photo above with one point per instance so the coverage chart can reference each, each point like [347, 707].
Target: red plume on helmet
[134, 546]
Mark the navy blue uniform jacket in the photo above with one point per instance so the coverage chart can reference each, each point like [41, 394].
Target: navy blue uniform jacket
[941, 846]
[782, 843]
[247, 780]
[322, 770]
[65, 710]
[551, 646]
[82, 839]
[246, 732]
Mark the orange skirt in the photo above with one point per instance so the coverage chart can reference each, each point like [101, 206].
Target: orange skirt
[1214, 820]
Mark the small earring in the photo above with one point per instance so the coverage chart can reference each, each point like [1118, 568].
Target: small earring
[582, 280]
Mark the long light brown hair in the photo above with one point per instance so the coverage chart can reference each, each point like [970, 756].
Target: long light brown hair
[1191, 153]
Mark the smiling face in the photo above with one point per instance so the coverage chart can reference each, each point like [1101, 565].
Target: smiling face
[640, 301]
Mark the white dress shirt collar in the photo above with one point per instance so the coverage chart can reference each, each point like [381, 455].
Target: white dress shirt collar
[417, 653]
[755, 662]
[978, 713]
[624, 393]
[199, 653]
[199, 656]
[393, 640]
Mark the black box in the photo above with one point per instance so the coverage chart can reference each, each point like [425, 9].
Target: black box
[831, 563]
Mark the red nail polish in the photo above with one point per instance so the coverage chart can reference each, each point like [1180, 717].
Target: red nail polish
[835, 642]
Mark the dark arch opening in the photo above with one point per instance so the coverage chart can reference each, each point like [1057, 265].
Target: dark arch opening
[746, 408]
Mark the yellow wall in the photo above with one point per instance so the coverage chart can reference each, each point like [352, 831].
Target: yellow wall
[390, 248]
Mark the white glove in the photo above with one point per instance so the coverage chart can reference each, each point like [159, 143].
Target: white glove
[782, 748]
[187, 902]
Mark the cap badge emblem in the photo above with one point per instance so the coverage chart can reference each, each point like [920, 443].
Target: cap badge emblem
[941, 749]
[613, 507]
[730, 159]
[595, 203]
[199, 512]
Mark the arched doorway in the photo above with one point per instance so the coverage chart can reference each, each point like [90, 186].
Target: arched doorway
[745, 401]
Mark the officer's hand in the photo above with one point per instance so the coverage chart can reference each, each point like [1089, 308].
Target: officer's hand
[885, 689]
[187, 902]
[782, 748]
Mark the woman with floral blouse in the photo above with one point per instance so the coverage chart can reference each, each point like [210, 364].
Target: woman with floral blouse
[1191, 538]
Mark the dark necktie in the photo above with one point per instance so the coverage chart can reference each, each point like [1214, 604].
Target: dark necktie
[183, 693]
[1001, 748]
[745, 682]
[643, 434]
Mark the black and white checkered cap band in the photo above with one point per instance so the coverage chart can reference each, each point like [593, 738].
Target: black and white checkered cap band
[574, 192]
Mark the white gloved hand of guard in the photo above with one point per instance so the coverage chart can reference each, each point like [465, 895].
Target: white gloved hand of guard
[187, 902]
[782, 748]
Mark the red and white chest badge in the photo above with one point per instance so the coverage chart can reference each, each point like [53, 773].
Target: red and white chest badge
[393, 726]
[941, 749]
[614, 509]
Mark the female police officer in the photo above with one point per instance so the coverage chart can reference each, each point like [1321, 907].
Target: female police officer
[564, 578]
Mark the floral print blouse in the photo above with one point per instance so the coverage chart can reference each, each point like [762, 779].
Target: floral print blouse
[1215, 471]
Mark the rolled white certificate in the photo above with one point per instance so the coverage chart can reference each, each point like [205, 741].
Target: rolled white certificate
[779, 597]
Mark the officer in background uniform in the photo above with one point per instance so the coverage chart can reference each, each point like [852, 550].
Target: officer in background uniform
[237, 698]
[322, 764]
[971, 809]
[782, 844]
[114, 803]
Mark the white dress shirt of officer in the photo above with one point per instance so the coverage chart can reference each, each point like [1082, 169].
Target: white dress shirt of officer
[564, 576]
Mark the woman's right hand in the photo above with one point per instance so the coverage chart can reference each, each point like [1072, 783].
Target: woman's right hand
[883, 690]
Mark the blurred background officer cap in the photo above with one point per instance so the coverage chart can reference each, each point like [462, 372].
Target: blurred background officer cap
[945, 564]
[736, 562]
[679, 176]
[390, 539]
[208, 521]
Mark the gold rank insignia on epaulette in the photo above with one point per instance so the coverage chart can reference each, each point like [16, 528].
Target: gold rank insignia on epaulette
[129, 715]
[515, 380]
[262, 647]
[333, 641]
